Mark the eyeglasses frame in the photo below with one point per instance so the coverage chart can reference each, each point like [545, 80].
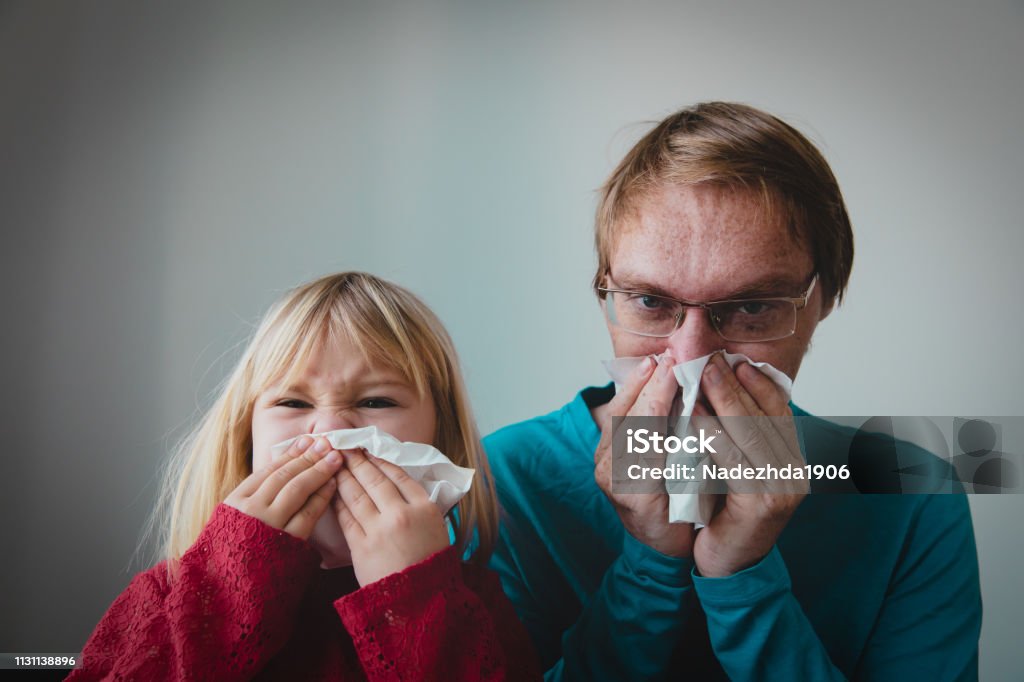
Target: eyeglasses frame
[799, 303]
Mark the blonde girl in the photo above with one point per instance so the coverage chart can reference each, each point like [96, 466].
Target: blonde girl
[240, 593]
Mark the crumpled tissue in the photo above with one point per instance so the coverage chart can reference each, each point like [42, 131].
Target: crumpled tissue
[445, 482]
[697, 507]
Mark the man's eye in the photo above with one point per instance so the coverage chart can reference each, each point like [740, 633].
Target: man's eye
[377, 403]
[647, 302]
[292, 403]
[753, 308]
[652, 302]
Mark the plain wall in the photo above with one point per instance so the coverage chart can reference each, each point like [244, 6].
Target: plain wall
[168, 169]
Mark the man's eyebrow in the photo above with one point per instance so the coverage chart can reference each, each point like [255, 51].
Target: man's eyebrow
[778, 285]
[767, 287]
[635, 284]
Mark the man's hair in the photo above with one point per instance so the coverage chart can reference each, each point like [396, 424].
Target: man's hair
[738, 147]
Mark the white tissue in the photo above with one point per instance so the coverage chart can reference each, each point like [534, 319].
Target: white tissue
[445, 482]
[693, 507]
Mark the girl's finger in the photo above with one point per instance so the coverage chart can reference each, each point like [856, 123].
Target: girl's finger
[349, 525]
[302, 523]
[355, 497]
[296, 492]
[252, 483]
[379, 487]
[279, 478]
[410, 490]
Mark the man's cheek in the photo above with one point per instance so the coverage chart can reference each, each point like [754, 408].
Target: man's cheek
[632, 346]
[787, 362]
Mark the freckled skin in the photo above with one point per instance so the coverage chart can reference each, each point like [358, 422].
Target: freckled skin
[703, 243]
[706, 244]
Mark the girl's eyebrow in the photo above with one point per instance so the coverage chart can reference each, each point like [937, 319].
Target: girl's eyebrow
[355, 386]
[390, 383]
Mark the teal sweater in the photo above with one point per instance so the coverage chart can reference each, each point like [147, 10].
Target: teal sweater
[856, 587]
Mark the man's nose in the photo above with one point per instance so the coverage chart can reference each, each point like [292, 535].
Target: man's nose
[332, 420]
[695, 338]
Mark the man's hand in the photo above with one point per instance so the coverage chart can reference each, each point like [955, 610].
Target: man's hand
[747, 526]
[648, 392]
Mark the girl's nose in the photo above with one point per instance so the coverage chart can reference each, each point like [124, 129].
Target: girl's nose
[333, 420]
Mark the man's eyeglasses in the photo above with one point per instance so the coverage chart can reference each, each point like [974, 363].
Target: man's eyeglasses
[740, 320]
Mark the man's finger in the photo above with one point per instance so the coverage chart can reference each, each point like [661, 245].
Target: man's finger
[659, 394]
[764, 391]
[725, 452]
[623, 401]
[723, 390]
[741, 417]
[777, 422]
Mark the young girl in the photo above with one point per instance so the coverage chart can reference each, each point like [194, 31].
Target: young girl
[241, 593]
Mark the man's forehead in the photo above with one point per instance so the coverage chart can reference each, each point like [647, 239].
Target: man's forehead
[701, 243]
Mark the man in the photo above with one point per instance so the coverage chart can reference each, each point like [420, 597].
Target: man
[722, 202]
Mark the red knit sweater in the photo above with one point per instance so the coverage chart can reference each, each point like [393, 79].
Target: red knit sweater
[251, 601]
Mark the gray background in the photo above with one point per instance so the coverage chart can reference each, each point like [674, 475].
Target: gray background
[167, 169]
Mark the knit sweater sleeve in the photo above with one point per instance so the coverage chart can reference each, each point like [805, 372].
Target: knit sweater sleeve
[229, 607]
[440, 619]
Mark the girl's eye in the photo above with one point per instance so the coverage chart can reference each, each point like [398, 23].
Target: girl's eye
[377, 403]
[292, 403]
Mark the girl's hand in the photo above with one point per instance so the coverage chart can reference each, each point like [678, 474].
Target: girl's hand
[292, 492]
[388, 520]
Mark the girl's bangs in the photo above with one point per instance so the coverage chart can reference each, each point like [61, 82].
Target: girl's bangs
[290, 342]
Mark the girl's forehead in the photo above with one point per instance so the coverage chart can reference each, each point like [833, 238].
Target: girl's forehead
[336, 353]
[326, 369]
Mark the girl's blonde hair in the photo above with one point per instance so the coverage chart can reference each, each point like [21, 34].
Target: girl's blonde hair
[392, 328]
